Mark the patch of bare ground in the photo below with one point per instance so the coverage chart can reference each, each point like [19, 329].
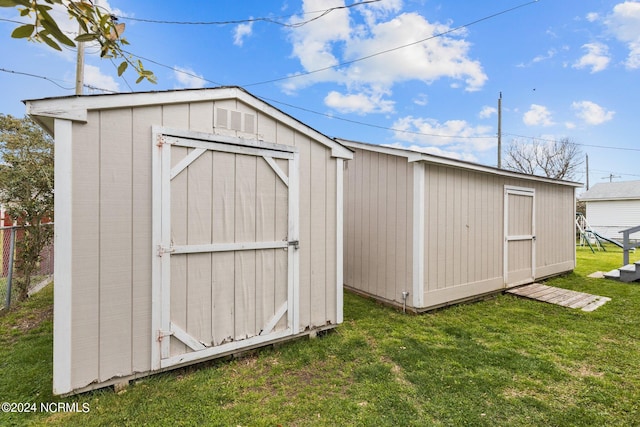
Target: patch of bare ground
[30, 320]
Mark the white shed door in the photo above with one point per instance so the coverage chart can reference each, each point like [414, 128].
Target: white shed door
[227, 230]
[520, 238]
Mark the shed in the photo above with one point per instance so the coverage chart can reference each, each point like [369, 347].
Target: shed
[426, 231]
[189, 225]
[612, 207]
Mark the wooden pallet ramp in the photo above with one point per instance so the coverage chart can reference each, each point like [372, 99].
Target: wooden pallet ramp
[559, 296]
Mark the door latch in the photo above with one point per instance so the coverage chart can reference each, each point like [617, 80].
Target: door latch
[295, 244]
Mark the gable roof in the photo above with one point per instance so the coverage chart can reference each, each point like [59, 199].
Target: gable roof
[76, 108]
[624, 190]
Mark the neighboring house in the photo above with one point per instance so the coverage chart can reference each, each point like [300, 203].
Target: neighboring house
[612, 207]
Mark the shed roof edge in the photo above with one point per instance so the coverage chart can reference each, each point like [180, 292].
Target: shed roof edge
[416, 156]
[75, 108]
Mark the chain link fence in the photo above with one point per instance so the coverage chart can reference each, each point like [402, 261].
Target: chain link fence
[9, 237]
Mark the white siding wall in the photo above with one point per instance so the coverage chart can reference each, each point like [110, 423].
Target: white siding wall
[610, 216]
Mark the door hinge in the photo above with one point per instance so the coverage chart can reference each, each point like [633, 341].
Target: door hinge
[162, 334]
[295, 244]
[161, 250]
[162, 139]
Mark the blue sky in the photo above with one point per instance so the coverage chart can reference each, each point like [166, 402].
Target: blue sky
[566, 69]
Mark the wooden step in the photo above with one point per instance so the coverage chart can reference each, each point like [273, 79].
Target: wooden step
[629, 273]
[613, 274]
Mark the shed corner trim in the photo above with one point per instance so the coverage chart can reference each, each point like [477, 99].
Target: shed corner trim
[418, 234]
[63, 237]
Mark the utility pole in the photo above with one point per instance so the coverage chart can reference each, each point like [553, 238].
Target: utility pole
[587, 162]
[611, 176]
[500, 131]
[80, 65]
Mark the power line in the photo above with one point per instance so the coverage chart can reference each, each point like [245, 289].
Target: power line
[576, 143]
[37, 76]
[49, 79]
[274, 20]
[344, 119]
[177, 70]
[334, 117]
[382, 52]
[122, 76]
[370, 124]
[612, 173]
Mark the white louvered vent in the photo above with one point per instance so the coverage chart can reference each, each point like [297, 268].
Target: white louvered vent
[222, 118]
[250, 123]
[235, 120]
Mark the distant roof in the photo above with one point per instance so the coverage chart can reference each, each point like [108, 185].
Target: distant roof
[624, 190]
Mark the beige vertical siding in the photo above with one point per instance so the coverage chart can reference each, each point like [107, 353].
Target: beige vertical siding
[465, 226]
[378, 222]
[463, 234]
[222, 298]
[555, 229]
[85, 328]
[141, 234]
[111, 253]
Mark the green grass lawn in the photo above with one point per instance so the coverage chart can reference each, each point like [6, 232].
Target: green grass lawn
[503, 361]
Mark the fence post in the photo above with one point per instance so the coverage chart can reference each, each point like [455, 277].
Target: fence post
[12, 242]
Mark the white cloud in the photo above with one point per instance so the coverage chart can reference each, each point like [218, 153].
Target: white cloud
[537, 115]
[421, 100]
[441, 57]
[597, 57]
[591, 113]
[358, 103]
[469, 157]
[624, 23]
[550, 54]
[312, 42]
[570, 125]
[187, 78]
[487, 112]
[241, 32]
[592, 17]
[453, 138]
[94, 77]
[339, 38]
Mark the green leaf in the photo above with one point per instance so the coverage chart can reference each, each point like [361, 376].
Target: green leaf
[122, 68]
[141, 78]
[14, 3]
[45, 38]
[42, 7]
[89, 37]
[23, 31]
[51, 26]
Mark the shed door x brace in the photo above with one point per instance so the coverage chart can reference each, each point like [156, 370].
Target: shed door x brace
[225, 227]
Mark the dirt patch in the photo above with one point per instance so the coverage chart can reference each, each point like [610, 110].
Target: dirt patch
[33, 319]
[586, 371]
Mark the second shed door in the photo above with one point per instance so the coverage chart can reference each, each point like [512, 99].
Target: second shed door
[228, 247]
[519, 236]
